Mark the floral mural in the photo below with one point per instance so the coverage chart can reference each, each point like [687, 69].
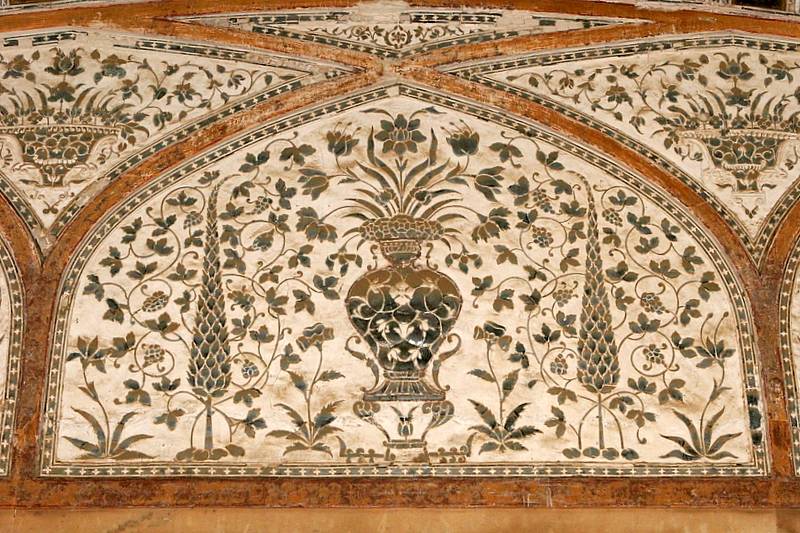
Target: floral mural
[75, 114]
[11, 328]
[401, 283]
[396, 30]
[719, 111]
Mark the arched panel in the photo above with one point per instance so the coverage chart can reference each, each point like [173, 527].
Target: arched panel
[401, 283]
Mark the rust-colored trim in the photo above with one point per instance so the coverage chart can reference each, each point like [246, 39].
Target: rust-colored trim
[25, 489]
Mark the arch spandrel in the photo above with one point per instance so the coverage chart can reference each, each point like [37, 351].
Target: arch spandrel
[400, 283]
[717, 110]
[397, 30]
[79, 108]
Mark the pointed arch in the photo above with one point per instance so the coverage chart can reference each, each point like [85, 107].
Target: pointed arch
[12, 326]
[176, 296]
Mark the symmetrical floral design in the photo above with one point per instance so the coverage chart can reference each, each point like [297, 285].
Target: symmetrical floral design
[11, 327]
[719, 111]
[75, 113]
[394, 30]
[401, 287]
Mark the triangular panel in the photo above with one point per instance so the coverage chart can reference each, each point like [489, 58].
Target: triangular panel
[395, 30]
[78, 108]
[719, 111]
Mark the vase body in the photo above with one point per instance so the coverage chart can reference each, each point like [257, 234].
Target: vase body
[404, 312]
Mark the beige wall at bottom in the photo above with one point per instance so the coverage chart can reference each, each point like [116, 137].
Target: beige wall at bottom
[398, 521]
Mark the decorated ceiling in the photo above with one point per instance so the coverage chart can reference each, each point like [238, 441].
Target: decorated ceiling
[548, 247]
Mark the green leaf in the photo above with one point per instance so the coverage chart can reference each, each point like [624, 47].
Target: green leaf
[94, 287]
[485, 414]
[330, 375]
[98, 429]
[513, 416]
[719, 443]
[509, 382]
[481, 373]
[297, 419]
[92, 449]
[696, 443]
[488, 447]
[298, 381]
[142, 270]
[114, 312]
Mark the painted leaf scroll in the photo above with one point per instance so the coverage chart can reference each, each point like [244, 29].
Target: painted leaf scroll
[719, 111]
[401, 283]
[79, 108]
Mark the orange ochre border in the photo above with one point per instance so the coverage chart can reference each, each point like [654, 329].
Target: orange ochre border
[40, 275]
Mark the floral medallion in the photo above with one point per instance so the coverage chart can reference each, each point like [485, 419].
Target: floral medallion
[401, 283]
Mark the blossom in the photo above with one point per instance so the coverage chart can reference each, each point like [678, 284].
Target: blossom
[340, 143]
[400, 135]
[464, 142]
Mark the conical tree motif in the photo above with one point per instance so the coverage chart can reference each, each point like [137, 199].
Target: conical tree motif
[598, 366]
[210, 364]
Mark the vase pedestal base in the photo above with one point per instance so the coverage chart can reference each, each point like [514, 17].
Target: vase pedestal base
[408, 451]
[404, 387]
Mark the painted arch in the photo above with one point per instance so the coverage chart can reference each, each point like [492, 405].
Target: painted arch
[11, 329]
[401, 282]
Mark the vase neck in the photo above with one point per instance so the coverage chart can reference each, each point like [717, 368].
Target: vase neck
[401, 252]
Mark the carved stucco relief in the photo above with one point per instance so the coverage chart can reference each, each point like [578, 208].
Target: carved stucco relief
[720, 111]
[401, 283]
[78, 108]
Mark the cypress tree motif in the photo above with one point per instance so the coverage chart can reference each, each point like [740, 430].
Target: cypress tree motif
[210, 365]
[598, 366]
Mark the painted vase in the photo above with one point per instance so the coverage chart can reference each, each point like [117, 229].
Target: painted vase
[402, 310]
[57, 149]
[748, 155]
